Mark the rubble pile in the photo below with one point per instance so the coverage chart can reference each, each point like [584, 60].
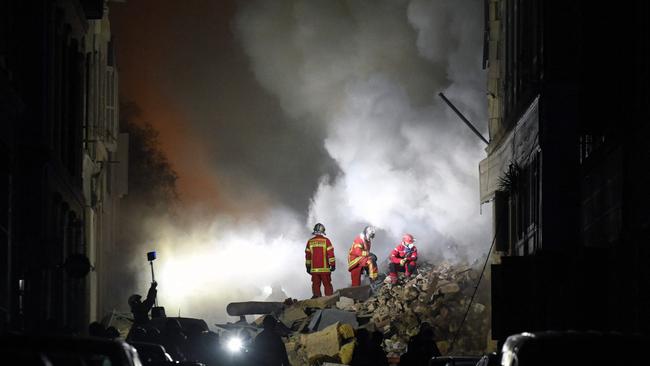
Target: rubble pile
[322, 330]
[438, 296]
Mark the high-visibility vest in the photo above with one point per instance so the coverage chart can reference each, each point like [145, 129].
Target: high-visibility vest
[319, 254]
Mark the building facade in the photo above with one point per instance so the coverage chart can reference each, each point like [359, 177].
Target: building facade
[567, 165]
[58, 93]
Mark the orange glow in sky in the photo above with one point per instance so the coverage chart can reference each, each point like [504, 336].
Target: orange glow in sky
[142, 50]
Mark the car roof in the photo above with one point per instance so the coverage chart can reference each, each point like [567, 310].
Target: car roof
[118, 351]
[456, 360]
[147, 345]
[61, 341]
[568, 347]
[184, 322]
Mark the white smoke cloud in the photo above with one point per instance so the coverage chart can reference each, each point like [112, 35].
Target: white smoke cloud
[203, 266]
[368, 73]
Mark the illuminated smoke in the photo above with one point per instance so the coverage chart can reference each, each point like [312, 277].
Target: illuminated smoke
[204, 266]
[370, 72]
[366, 74]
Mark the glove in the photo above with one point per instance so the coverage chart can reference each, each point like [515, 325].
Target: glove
[332, 268]
[154, 284]
[308, 269]
[402, 262]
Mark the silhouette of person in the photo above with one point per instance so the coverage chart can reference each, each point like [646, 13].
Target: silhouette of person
[112, 332]
[268, 348]
[174, 340]
[368, 351]
[359, 356]
[96, 329]
[277, 293]
[141, 309]
[138, 334]
[421, 347]
[204, 348]
[376, 352]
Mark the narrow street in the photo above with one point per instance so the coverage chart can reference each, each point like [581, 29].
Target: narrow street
[324, 182]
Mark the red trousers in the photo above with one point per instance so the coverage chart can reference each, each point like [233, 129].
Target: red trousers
[408, 268]
[355, 273]
[326, 279]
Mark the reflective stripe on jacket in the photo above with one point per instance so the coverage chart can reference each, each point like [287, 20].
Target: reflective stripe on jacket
[403, 252]
[319, 254]
[359, 252]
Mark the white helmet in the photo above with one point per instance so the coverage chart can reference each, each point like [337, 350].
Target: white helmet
[368, 233]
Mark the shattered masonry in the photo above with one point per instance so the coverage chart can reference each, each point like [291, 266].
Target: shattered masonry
[322, 328]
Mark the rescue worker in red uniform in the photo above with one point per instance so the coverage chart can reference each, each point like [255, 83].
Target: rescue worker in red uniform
[320, 261]
[403, 258]
[360, 258]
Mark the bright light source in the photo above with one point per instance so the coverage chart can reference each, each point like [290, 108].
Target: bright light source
[234, 344]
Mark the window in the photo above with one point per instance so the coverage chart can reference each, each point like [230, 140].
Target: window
[517, 209]
[522, 56]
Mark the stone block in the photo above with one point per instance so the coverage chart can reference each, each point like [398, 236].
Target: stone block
[319, 302]
[291, 315]
[346, 352]
[450, 288]
[345, 303]
[346, 331]
[323, 344]
[359, 293]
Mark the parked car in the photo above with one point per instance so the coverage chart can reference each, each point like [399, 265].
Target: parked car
[490, 359]
[454, 361]
[68, 350]
[200, 345]
[189, 326]
[569, 348]
[153, 354]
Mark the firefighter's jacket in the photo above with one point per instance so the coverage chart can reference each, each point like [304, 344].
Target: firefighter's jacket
[403, 252]
[359, 253]
[319, 254]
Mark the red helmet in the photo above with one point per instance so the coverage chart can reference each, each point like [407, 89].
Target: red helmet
[408, 239]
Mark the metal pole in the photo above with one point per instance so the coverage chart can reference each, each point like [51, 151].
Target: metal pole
[467, 122]
[153, 279]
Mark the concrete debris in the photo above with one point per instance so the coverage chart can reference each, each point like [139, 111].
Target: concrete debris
[346, 331]
[319, 302]
[346, 352]
[326, 317]
[291, 315]
[345, 303]
[359, 293]
[449, 288]
[324, 345]
[323, 329]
